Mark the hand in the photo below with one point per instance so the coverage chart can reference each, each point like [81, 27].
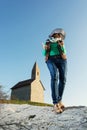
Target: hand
[64, 56]
[61, 43]
[46, 58]
[45, 46]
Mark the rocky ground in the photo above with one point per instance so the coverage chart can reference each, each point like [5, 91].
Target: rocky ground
[28, 117]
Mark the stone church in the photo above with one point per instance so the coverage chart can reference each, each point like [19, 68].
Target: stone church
[30, 89]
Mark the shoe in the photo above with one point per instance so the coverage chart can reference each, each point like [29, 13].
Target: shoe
[57, 109]
[61, 105]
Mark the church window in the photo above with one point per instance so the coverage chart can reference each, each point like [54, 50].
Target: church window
[37, 73]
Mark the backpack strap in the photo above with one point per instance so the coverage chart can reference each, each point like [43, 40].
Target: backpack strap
[60, 49]
[63, 56]
[48, 47]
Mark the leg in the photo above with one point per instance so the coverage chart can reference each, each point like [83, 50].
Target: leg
[62, 77]
[53, 72]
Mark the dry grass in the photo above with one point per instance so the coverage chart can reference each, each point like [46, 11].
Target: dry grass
[24, 102]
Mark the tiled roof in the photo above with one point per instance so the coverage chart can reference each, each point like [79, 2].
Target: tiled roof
[23, 83]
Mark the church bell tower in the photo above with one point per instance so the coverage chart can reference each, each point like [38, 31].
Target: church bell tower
[35, 74]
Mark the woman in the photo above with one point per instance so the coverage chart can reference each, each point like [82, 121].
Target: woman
[56, 60]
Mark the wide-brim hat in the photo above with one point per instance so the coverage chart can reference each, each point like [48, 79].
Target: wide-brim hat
[60, 31]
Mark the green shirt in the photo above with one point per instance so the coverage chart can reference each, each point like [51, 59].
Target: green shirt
[54, 49]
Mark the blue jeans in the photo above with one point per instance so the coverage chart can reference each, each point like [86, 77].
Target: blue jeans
[58, 70]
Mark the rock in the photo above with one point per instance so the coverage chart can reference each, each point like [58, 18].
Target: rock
[28, 117]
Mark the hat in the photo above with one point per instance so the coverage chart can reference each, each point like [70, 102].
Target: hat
[58, 30]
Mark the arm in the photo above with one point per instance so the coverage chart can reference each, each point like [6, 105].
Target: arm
[62, 50]
[46, 51]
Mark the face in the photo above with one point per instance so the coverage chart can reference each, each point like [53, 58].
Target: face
[56, 35]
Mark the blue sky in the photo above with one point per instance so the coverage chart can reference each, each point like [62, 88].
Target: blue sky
[25, 24]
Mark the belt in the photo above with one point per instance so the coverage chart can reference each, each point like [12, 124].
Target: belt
[55, 56]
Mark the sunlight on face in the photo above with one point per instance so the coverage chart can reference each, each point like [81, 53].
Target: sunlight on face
[57, 35]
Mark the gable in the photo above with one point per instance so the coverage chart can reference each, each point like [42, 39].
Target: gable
[42, 85]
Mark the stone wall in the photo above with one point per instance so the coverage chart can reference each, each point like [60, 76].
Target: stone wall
[22, 93]
[37, 92]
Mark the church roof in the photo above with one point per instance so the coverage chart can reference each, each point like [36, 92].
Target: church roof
[25, 83]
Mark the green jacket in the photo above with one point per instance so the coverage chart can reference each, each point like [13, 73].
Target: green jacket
[54, 50]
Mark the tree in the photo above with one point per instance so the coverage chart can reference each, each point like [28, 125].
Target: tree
[3, 95]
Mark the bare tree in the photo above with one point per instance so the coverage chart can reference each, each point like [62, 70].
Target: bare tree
[3, 95]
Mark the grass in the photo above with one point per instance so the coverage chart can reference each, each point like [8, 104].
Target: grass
[24, 102]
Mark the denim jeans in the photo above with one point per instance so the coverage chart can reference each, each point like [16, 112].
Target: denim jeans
[58, 71]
